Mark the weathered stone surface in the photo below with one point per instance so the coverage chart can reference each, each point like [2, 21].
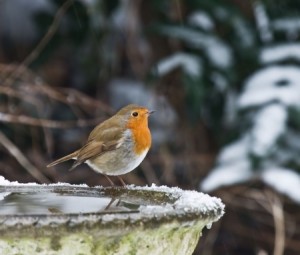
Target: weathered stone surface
[38, 219]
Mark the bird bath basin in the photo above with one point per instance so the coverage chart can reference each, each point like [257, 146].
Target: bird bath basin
[77, 219]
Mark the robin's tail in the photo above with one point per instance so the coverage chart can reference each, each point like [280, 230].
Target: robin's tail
[63, 159]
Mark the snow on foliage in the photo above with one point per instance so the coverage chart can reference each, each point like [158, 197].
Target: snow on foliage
[202, 20]
[274, 83]
[269, 125]
[262, 21]
[189, 63]
[280, 52]
[260, 108]
[244, 33]
[284, 180]
[290, 25]
[228, 174]
[216, 50]
[268, 94]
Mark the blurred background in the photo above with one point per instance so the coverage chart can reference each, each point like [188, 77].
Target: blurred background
[222, 75]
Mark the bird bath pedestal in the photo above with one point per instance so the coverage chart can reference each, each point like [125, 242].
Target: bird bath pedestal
[71, 219]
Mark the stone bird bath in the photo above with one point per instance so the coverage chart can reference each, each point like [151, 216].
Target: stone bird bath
[77, 219]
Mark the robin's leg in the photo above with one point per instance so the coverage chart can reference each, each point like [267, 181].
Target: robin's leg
[110, 203]
[123, 184]
[121, 180]
[109, 180]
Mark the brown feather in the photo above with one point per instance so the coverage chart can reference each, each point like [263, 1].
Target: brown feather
[63, 159]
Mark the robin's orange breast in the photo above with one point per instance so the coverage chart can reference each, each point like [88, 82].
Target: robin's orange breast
[141, 135]
[142, 139]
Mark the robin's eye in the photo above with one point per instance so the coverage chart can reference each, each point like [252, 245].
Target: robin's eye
[135, 114]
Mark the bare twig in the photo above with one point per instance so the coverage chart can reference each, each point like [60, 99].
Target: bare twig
[178, 7]
[32, 86]
[25, 120]
[278, 216]
[83, 99]
[44, 41]
[19, 156]
[272, 204]
[10, 92]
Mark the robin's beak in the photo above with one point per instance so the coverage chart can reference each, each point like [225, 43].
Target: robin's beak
[150, 112]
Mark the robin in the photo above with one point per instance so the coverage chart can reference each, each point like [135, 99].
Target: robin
[117, 145]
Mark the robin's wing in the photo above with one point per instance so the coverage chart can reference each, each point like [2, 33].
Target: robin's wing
[110, 139]
[111, 129]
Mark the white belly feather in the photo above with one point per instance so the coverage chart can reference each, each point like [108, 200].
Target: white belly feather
[115, 165]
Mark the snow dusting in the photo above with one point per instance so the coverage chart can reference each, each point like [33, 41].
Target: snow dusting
[183, 202]
[4, 182]
[186, 201]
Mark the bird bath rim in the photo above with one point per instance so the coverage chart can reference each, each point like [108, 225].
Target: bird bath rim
[159, 204]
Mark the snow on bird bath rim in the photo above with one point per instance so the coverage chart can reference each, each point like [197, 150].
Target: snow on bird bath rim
[186, 201]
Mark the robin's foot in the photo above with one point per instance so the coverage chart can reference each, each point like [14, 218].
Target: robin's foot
[109, 180]
[110, 203]
[122, 182]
